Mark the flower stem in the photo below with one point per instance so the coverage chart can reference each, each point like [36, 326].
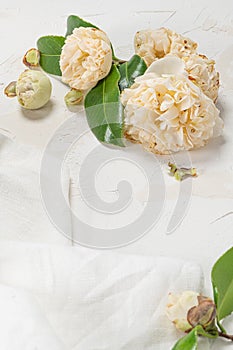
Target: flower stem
[118, 61]
[224, 335]
[220, 327]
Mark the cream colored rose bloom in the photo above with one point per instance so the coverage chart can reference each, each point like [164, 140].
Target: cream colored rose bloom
[201, 71]
[86, 58]
[167, 112]
[178, 307]
[155, 44]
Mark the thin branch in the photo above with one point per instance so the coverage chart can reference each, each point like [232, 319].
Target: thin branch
[118, 61]
[226, 336]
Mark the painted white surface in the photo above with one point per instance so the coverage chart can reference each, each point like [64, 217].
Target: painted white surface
[199, 237]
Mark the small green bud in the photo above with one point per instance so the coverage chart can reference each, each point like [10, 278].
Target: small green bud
[10, 90]
[33, 89]
[73, 97]
[181, 173]
[31, 58]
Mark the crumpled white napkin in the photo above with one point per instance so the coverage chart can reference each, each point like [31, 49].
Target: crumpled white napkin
[60, 297]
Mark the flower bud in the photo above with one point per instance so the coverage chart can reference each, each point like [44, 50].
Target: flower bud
[73, 97]
[10, 90]
[33, 89]
[190, 309]
[31, 58]
[203, 314]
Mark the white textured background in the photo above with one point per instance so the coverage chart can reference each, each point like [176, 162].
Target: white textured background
[206, 231]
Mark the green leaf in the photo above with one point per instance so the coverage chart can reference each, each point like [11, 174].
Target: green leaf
[76, 22]
[222, 280]
[188, 342]
[104, 110]
[50, 50]
[130, 71]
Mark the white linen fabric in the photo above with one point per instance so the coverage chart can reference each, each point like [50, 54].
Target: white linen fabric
[73, 298]
[55, 296]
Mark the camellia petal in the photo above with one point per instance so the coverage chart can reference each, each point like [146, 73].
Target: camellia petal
[167, 65]
[178, 307]
[169, 113]
[86, 58]
[155, 44]
[201, 71]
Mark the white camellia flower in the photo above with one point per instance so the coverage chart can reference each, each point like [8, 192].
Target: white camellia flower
[166, 112]
[152, 45]
[201, 71]
[155, 44]
[86, 58]
[178, 307]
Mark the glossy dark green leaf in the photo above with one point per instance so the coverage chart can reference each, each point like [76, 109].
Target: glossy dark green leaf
[222, 280]
[130, 71]
[188, 342]
[76, 22]
[104, 110]
[50, 50]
